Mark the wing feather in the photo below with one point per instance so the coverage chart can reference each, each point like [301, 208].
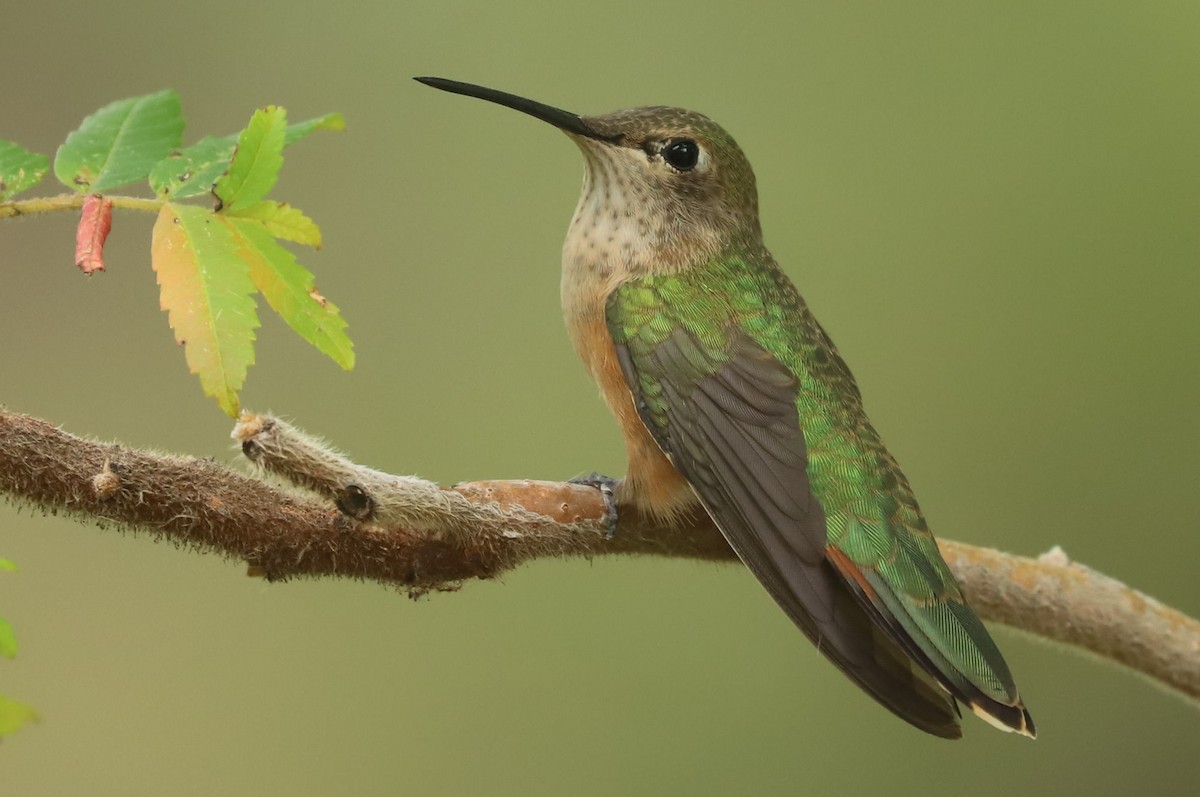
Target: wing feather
[729, 423]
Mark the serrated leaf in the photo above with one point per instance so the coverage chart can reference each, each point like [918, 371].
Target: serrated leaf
[283, 221]
[8, 640]
[8, 564]
[193, 170]
[206, 290]
[288, 288]
[256, 162]
[13, 715]
[299, 130]
[20, 169]
[330, 121]
[120, 143]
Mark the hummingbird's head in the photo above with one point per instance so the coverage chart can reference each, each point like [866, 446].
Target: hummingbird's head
[666, 185]
[674, 170]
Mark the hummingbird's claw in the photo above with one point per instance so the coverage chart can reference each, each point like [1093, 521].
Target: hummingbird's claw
[607, 486]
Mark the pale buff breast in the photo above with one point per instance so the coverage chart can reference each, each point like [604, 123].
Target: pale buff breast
[603, 249]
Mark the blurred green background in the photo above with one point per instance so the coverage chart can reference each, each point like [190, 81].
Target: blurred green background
[994, 208]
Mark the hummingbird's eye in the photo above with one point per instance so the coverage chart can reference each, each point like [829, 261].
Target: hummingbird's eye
[682, 153]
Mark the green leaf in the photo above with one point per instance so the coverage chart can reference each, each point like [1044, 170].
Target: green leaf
[330, 121]
[206, 290]
[288, 288]
[192, 170]
[256, 162]
[120, 143]
[8, 564]
[299, 130]
[8, 640]
[283, 221]
[13, 715]
[20, 169]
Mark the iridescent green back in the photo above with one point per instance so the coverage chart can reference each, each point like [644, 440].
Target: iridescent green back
[871, 516]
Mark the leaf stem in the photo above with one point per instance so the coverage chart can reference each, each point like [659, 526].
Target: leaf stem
[25, 207]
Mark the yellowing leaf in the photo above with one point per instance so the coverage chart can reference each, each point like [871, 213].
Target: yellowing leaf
[283, 221]
[288, 288]
[206, 290]
[8, 640]
[13, 715]
[256, 162]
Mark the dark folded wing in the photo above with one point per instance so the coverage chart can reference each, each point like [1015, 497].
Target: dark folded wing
[726, 416]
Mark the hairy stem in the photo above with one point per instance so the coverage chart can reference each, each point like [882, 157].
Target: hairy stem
[26, 207]
[406, 531]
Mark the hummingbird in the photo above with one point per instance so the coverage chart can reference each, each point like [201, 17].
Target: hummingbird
[730, 395]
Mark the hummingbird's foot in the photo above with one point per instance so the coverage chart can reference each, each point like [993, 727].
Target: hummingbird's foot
[607, 486]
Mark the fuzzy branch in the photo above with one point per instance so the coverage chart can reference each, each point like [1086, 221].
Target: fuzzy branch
[400, 530]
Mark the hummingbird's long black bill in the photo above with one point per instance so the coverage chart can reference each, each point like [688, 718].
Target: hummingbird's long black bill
[564, 120]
